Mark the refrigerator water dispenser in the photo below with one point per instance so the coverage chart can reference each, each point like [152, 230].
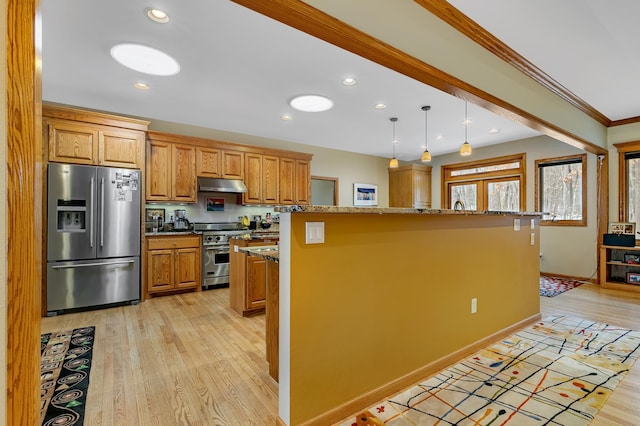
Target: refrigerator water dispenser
[72, 216]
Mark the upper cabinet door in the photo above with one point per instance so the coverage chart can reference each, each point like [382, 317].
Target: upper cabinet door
[158, 184]
[208, 162]
[232, 164]
[183, 173]
[303, 182]
[121, 148]
[287, 180]
[253, 178]
[270, 177]
[72, 143]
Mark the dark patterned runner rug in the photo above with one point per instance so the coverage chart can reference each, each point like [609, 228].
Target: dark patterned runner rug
[65, 361]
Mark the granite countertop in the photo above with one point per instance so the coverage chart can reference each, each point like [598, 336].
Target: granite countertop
[398, 210]
[171, 233]
[266, 252]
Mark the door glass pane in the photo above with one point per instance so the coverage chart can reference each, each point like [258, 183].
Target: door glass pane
[468, 194]
[504, 196]
[322, 192]
[633, 195]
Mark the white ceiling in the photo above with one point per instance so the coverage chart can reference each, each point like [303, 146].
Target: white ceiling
[240, 69]
[591, 48]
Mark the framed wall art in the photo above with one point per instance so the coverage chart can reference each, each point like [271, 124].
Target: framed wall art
[365, 194]
[215, 204]
[150, 213]
[624, 228]
[633, 278]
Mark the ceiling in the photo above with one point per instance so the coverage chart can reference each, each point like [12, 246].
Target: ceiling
[240, 69]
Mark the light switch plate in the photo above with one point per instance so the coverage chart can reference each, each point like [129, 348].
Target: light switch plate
[533, 238]
[516, 224]
[314, 232]
[533, 224]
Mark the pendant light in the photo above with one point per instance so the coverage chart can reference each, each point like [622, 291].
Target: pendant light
[426, 155]
[465, 149]
[393, 163]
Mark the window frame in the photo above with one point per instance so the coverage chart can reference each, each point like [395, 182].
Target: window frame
[519, 173]
[538, 190]
[623, 190]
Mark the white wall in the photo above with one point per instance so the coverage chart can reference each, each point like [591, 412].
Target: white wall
[348, 167]
[567, 250]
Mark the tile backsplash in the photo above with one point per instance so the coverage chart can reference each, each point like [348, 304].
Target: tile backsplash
[198, 212]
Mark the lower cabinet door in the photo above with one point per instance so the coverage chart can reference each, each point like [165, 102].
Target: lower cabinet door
[160, 270]
[256, 282]
[187, 274]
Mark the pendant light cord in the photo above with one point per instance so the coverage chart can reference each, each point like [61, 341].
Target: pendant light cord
[466, 122]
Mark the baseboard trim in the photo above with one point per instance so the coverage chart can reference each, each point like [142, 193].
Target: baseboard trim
[363, 401]
[592, 280]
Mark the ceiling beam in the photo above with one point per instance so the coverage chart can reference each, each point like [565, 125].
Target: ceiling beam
[310, 20]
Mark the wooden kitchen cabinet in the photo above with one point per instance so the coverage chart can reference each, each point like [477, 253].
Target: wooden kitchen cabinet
[173, 263]
[410, 186]
[170, 172]
[83, 137]
[295, 181]
[183, 178]
[248, 278]
[219, 163]
[261, 179]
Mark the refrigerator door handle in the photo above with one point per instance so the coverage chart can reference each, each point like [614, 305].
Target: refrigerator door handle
[91, 217]
[102, 212]
[87, 265]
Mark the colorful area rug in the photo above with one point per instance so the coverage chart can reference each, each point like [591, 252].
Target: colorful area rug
[552, 286]
[559, 371]
[65, 361]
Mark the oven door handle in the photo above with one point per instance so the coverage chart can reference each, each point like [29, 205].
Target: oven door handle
[216, 249]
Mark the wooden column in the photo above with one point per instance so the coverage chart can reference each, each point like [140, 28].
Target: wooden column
[23, 216]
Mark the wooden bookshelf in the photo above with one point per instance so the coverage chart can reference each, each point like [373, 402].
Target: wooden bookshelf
[614, 268]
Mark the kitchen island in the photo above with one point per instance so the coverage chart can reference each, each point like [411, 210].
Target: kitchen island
[386, 300]
[271, 256]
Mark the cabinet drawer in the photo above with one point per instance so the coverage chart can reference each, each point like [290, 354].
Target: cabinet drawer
[160, 243]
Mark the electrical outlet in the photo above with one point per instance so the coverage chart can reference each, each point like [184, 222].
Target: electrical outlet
[533, 238]
[533, 224]
[474, 305]
[516, 224]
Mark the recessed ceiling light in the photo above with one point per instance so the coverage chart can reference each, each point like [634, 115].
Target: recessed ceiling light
[157, 15]
[439, 137]
[349, 81]
[142, 86]
[467, 121]
[380, 106]
[311, 103]
[494, 131]
[144, 59]
[286, 118]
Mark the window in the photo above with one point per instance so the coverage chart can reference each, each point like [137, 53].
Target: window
[561, 190]
[494, 184]
[629, 169]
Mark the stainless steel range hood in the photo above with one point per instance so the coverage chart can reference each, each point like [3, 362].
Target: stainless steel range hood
[221, 185]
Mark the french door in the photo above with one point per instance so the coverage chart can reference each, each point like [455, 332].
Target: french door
[498, 194]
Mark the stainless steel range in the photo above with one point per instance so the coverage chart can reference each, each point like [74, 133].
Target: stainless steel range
[215, 251]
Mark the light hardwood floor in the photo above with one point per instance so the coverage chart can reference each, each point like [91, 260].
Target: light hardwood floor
[190, 360]
[177, 360]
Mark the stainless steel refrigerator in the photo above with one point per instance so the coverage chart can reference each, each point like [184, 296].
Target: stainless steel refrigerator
[93, 236]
